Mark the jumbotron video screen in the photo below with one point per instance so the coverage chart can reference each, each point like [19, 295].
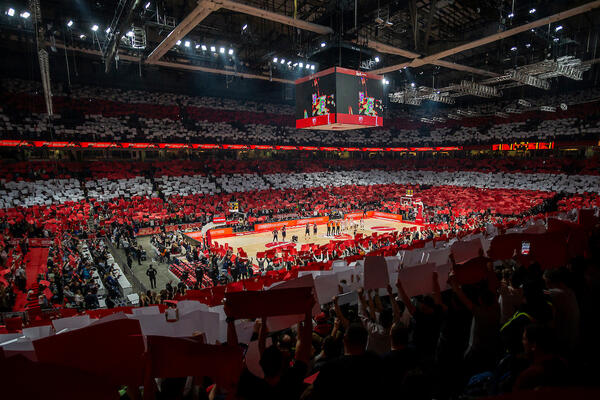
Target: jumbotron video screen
[339, 98]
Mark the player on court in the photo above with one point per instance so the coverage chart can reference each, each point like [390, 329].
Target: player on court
[328, 228]
[275, 234]
[283, 233]
[362, 223]
[307, 231]
[315, 229]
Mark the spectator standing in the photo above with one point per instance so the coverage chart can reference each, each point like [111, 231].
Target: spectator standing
[151, 273]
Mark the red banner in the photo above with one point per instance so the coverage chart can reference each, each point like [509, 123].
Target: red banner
[219, 233]
[396, 217]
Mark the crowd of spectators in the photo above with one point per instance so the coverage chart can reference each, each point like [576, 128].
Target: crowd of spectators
[128, 116]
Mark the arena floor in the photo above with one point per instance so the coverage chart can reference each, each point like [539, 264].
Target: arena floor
[259, 242]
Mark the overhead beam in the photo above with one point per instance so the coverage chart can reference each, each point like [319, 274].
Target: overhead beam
[173, 65]
[206, 7]
[198, 14]
[465, 68]
[385, 48]
[272, 16]
[495, 37]
[197, 68]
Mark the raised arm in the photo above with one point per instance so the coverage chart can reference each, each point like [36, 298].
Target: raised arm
[437, 295]
[395, 308]
[459, 292]
[364, 306]
[339, 314]
[303, 345]
[262, 336]
[232, 339]
[405, 299]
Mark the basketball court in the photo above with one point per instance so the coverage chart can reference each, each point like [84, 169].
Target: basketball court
[254, 242]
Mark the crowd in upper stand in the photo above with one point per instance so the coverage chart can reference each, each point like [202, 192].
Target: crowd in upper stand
[135, 116]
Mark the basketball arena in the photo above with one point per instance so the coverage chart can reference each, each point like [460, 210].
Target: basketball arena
[308, 199]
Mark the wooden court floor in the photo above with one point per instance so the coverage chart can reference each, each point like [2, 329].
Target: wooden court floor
[263, 241]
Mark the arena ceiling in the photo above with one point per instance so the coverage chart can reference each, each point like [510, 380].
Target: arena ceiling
[378, 35]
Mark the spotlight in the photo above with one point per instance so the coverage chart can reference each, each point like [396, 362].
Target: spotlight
[10, 12]
[323, 44]
[376, 59]
[178, 43]
[230, 52]
[95, 28]
[558, 28]
[532, 11]
[289, 62]
[244, 27]
[312, 67]
[222, 50]
[511, 15]
[528, 45]
[107, 30]
[197, 46]
[203, 47]
[514, 48]
[82, 36]
[25, 14]
[147, 5]
[412, 84]
[213, 48]
[295, 65]
[307, 66]
[385, 81]
[70, 23]
[282, 60]
[187, 43]
[301, 65]
[274, 59]
[556, 39]
[129, 34]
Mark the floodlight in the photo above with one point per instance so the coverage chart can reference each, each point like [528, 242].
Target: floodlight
[95, 28]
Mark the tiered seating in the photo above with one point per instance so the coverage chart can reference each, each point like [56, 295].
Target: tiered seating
[130, 116]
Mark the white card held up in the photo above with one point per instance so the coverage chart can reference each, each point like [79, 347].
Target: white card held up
[188, 306]
[438, 257]
[326, 287]
[348, 298]
[417, 280]
[466, 250]
[376, 273]
[151, 310]
[71, 323]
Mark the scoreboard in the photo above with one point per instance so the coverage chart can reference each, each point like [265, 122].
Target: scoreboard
[339, 99]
